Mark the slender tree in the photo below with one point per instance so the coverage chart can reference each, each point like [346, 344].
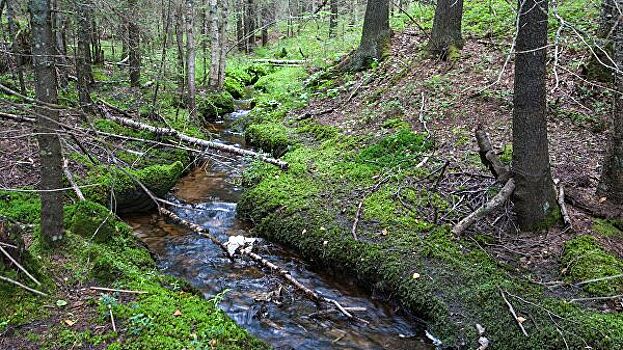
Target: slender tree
[179, 40]
[13, 31]
[213, 81]
[223, 45]
[333, 19]
[190, 58]
[375, 39]
[134, 45]
[534, 197]
[446, 36]
[611, 183]
[43, 50]
[83, 54]
[250, 25]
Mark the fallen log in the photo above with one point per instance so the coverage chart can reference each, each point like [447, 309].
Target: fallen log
[281, 62]
[261, 261]
[190, 139]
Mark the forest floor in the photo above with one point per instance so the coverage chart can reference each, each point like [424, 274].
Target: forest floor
[382, 164]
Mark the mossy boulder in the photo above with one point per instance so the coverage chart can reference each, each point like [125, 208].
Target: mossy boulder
[586, 259]
[213, 105]
[91, 221]
[234, 87]
[119, 189]
[270, 137]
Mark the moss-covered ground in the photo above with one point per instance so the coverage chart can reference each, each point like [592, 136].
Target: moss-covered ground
[372, 152]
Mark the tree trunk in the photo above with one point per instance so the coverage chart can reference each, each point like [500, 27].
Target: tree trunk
[534, 198]
[83, 54]
[333, 19]
[47, 119]
[190, 59]
[611, 183]
[250, 25]
[134, 46]
[213, 82]
[446, 37]
[205, 19]
[375, 39]
[179, 39]
[242, 44]
[13, 29]
[223, 41]
[265, 20]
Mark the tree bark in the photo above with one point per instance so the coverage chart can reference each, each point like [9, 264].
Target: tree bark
[215, 64]
[49, 144]
[446, 36]
[19, 60]
[134, 45]
[375, 39]
[333, 19]
[223, 45]
[179, 39]
[535, 197]
[611, 182]
[83, 55]
[250, 25]
[190, 59]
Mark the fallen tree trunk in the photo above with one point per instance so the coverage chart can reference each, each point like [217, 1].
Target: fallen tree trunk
[281, 62]
[261, 261]
[192, 140]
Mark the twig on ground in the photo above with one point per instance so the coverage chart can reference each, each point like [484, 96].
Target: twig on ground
[6, 279]
[512, 311]
[118, 290]
[112, 319]
[497, 201]
[70, 179]
[19, 266]
[561, 203]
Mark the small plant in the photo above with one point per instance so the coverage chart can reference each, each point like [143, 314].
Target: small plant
[218, 298]
[138, 323]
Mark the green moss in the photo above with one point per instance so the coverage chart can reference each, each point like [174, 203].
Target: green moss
[606, 228]
[90, 220]
[234, 87]
[271, 137]
[23, 207]
[122, 185]
[320, 132]
[213, 105]
[395, 123]
[585, 259]
[396, 148]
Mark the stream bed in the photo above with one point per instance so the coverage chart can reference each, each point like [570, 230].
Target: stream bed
[265, 304]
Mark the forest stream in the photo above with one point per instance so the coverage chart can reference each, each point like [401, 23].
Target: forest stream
[263, 303]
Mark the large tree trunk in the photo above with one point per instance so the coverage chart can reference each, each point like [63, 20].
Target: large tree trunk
[375, 39]
[534, 198]
[333, 19]
[265, 20]
[43, 49]
[83, 54]
[13, 29]
[611, 183]
[134, 46]
[446, 36]
[190, 59]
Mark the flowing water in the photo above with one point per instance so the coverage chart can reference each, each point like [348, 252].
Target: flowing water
[263, 303]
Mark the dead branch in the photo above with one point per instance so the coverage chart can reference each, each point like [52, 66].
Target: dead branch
[497, 201]
[489, 158]
[561, 203]
[19, 266]
[512, 311]
[17, 118]
[281, 62]
[260, 260]
[70, 179]
[192, 140]
[118, 290]
[6, 279]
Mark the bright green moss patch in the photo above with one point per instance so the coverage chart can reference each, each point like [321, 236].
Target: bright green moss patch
[20, 206]
[585, 260]
[213, 105]
[271, 137]
[119, 188]
[395, 148]
[318, 131]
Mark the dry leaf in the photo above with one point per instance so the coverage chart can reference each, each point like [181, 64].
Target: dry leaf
[384, 232]
[69, 322]
[521, 319]
[416, 275]
[177, 313]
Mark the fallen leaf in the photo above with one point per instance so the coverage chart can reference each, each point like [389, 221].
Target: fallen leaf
[416, 275]
[384, 232]
[61, 303]
[521, 319]
[602, 199]
[69, 322]
[177, 313]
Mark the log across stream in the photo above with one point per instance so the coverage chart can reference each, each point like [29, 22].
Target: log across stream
[263, 303]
